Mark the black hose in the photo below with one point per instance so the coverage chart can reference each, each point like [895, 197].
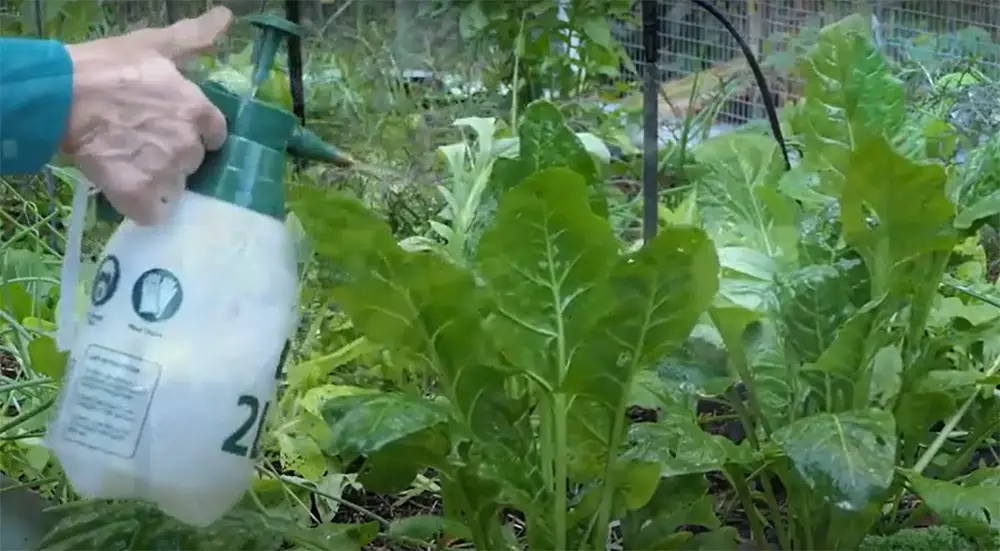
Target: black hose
[295, 86]
[171, 8]
[758, 75]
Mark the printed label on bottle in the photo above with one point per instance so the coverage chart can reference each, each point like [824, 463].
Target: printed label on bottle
[107, 406]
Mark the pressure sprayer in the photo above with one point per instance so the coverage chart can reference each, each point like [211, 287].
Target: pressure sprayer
[173, 369]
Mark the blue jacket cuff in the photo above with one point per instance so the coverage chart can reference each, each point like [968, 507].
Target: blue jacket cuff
[36, 90]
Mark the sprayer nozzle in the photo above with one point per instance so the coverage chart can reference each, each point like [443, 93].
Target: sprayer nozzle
[306, 145]
[273, 31]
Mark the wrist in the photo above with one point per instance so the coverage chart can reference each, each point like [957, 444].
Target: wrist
[87, 67]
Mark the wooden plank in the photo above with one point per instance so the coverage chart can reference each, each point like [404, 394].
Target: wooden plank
[676, 98]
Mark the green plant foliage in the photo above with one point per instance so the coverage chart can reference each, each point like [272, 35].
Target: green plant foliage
[485, 357]
[932, 538]
[134, 527]
[550, 303]
[525, 35]
[825, 304]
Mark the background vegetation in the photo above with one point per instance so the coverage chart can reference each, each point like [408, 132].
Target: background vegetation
[717, 432]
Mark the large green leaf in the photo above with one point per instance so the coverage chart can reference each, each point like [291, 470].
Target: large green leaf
[398, 435]
[698, 367]
[661, 291]
[426, 309]
[849, 92]
[738, 197]
[419, 305]
[973, 506]
[547, 260]
[896, 238]
[847, 459]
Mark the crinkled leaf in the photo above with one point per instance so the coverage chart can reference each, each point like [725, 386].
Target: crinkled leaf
[820, 240]
[545, 141]
[849, 91]
[679, 446]
[678, 502]
[138, 526]
[835, 375]
[894, 236]
[398, 435]
[756, 350]
[698, 367]
[847, 458]
[774, 381]
[973, 506]
[364, 424]
[814, 301]
[738, 196]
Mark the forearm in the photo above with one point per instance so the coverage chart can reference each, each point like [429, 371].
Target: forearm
[36, 88]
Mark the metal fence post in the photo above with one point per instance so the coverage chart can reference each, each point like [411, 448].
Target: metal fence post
[650, 118]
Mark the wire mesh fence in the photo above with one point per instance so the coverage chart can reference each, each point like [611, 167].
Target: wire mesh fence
[691, 44]
[927, 32]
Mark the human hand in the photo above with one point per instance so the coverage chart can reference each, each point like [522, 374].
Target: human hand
[137, 128]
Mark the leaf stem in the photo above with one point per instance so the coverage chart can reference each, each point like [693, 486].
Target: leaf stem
[516, 80]
[769, 495]
[24, 417]
[739, 483]
[950, 425]
[560, 503]
[356, 508]
[942, 436]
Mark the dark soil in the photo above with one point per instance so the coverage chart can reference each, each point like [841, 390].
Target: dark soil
[385, 506]
[388, 508]
[8, 366]
[10, 369]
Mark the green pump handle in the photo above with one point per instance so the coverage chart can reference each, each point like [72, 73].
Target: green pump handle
[248, 170]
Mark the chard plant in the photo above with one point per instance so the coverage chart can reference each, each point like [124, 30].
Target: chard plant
[536, 348]
[858, 383]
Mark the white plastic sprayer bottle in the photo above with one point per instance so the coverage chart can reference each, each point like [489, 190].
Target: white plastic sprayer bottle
[173, 370]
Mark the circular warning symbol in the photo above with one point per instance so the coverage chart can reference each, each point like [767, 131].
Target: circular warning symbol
[106, 281]
[157, 295]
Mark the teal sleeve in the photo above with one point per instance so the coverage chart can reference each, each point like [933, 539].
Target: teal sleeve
[36, 88]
